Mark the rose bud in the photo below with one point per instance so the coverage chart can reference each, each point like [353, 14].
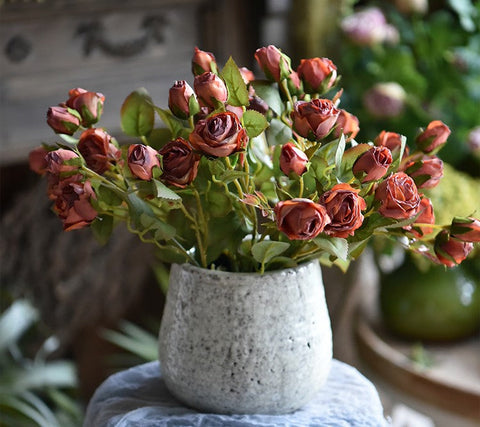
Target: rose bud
[465, 229]
[398, 196]
[474, 140]
[385, 100]
[257, 104]
[344, 207]
[96, 148]
[203, 62]
[73, 205]
[247, 75]
[368, 27]
[301, 219]
[374, 163]
[62, 121]
[449, 250]
[293, 160]
[273, 62]
[210, 89]
[433, 137]
[141, 159]
[314, 119]
[347, 124]
[37, 160]
[179, 99]
[426, 172]
[294, 84]
[391, 140]
[88, 104]
[56, 161]
[180, 164]
[219, 135]
[318, 74]
[426, 216]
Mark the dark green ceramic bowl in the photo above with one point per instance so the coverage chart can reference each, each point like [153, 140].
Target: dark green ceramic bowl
[438, 305]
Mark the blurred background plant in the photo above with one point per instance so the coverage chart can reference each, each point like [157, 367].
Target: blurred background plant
[426, 56]
[34, 390]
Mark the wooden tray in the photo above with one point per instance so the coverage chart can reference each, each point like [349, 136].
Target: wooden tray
[452, 382]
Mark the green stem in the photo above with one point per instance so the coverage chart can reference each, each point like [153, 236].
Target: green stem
[202, 236]
[300, 192]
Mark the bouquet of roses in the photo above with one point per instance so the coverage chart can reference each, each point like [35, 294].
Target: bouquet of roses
[248, 174]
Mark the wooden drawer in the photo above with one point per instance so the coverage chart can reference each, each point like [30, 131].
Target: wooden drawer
[49, 48]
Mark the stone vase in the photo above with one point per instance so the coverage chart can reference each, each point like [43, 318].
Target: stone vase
[244, 342]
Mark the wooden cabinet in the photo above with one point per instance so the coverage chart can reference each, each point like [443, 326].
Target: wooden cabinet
[107, 46]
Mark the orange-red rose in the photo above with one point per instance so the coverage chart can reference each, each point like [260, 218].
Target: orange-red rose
[202, 62]
[293, 159]
[449, 250]
[180, 163]
[88, 104]
[426, 216]
[344, 207]
[426, 172]
[374, 163]
[398, 196]
[433, 137]
[179, 99]
[219, 135]
[466, 229]
[62, 121]
[314, 119]
[318, 74]
[96, 148]
[301, 219]
[210, 89]
[346, 124]
[141, 160]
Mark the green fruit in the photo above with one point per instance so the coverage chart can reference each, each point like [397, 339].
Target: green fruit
[440, 304]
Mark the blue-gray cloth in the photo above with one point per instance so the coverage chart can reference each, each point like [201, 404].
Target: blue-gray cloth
[138, 397]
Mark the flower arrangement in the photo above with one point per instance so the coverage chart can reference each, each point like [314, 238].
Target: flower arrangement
[248, 174]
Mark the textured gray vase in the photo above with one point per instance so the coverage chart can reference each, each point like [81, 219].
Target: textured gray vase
[245, 343]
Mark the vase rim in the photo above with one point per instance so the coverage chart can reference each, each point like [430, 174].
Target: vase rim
[191, 267]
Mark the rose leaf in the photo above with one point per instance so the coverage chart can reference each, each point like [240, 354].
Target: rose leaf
[137, 114]
[335, 246]
[102, 228]
[265, 251]
[254, 122]
[269, 93]
[237, 89]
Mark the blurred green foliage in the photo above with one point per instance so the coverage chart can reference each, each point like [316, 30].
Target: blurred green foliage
[436, 61]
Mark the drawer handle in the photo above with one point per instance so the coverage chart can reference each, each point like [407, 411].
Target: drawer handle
[95, 38]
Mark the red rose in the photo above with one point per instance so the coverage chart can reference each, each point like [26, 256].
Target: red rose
[301, 219]
[210, 89]
[179, 99]
[433, 137]
[344, 207]
[141, 159]
[398, 197]
[97, 150]
[293, 159]
[55, 161]
[180, 164]
[318, 74]
[273, 62]
[466, 229]
[247, 75]
[88, 104]
[426, 216]
[449, 250]
[346, 124]
[426, 172]
[314, 119]
[391, 140]
[62, 121]
[374, 163]
[37, 160]
[73, 205]
[219, 135]
[202, 62]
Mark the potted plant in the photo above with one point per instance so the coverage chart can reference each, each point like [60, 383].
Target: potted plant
[247, 186]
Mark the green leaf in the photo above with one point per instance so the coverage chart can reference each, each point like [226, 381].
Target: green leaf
[108, 196]
[173, 123]
[157, 138]
[339, 153]
[163, 192]
[15, 321]
[269, 93]
[335, 246]
[67, 138]
[219, 204]
[237, 89]
[265, 251]
[137, 114]
[102, 228]
[254, 122]
[278, 133]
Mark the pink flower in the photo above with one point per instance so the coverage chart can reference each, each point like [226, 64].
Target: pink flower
[141, 159]
[314, 119]
[398, 196]
[62, 121]
[433, 137]
[293, 160]
[210, 89]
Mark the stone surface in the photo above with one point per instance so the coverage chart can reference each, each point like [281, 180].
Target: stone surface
[245, 343]
[138, 397]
